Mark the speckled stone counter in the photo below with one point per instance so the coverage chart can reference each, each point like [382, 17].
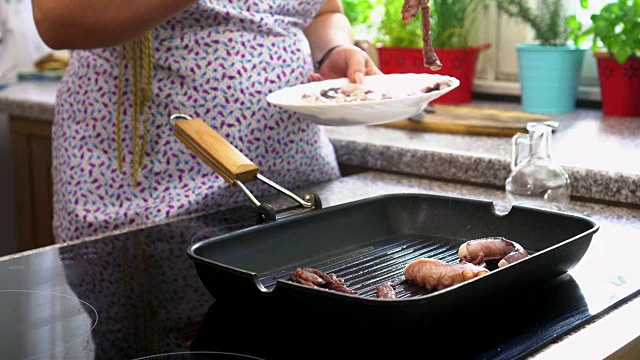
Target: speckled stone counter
[601, 154]
[35, 100]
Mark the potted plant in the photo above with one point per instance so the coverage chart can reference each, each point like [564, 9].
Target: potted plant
[616, 46]
[399, 45]
[550, 68]
[361, 15]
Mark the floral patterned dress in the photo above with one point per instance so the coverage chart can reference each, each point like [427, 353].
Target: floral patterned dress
[216, 60]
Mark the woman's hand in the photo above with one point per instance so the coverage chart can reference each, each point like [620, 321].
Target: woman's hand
[331, 27]
[346, 61]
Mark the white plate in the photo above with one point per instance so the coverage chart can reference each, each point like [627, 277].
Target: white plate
[365, 112]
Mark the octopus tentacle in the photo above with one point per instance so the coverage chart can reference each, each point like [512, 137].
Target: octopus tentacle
[316, 278]
[492, 249]
[431, 60]
[410, 10]
[386, 290]
[436, 274]
[306, 277]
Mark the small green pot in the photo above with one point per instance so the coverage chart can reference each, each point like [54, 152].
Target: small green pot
[549, 77]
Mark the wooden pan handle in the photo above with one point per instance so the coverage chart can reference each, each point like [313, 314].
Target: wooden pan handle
[215, 151]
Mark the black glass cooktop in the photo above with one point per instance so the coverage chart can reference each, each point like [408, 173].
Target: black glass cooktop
[137, 295]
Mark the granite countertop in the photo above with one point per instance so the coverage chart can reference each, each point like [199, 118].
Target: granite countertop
[30, 99]
[597, 152]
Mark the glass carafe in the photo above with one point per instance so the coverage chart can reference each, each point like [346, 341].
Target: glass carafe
[535, 180]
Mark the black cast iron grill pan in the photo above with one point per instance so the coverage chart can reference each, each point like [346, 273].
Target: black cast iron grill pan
[369, 241]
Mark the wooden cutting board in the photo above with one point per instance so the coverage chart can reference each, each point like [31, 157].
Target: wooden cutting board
[469, 120]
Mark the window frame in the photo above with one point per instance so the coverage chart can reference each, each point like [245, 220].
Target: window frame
[497, 71]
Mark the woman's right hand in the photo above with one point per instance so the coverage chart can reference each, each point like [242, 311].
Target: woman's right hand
[346, 61]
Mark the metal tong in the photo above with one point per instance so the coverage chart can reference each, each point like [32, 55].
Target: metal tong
[233, 166]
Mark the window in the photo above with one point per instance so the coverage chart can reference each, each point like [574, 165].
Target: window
[497, 71]
[584, 15]
[498, 68]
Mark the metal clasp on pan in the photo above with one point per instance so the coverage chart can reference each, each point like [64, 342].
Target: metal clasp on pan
[266, 212]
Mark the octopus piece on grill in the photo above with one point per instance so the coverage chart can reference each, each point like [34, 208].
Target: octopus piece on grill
[307, 278]
[436, 274]
[316, 278]
[410, 10]
[386, 290]
[492, 249]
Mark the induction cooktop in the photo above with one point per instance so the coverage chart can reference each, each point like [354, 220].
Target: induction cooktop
[137, 296]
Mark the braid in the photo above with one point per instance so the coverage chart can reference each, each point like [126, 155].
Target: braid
[119, 107]
[147, 69]
[139, 55]
[147, 64]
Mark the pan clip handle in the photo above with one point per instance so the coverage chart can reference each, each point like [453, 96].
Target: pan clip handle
[232, 165]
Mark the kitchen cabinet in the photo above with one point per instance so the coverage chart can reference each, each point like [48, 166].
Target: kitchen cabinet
[31, 153]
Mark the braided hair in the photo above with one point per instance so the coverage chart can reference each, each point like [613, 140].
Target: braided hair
[138, 54]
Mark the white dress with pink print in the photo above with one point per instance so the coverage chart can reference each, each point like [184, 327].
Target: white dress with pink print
[217, 60]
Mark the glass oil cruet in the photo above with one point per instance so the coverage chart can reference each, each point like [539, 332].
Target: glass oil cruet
[535, 180]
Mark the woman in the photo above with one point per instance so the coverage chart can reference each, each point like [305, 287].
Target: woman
[116, 163]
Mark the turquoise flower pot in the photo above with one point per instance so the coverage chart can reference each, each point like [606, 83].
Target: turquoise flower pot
[549, 77]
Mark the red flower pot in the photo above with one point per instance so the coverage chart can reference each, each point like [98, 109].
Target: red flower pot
[457, 63]
[620, 86]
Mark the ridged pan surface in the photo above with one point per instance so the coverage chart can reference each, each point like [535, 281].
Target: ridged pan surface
[367, 242]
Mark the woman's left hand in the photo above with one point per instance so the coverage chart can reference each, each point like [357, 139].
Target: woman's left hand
[346, 61]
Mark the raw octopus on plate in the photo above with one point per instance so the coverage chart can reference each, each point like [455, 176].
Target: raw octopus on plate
[355, 93]
[346, 94]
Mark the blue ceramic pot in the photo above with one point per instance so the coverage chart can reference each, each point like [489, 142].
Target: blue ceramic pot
[549, 77]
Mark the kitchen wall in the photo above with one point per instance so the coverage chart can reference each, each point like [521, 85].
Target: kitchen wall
[7, 213]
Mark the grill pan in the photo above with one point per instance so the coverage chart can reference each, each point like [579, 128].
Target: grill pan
[369, 241]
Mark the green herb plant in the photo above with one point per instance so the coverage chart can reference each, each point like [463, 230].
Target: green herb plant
[392, 32]
[615, 28]
[364, 16]
[547, 20]
[451, 23]
[359, 12]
